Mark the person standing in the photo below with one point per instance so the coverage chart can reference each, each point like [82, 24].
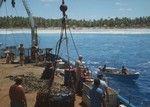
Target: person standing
[17, 94]
[7, 57]
[21, 54]
[103, 85]
[36, 55]
[79, 72]
[96, 95]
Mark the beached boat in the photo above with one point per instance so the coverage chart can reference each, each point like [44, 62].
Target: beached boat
[117, 73]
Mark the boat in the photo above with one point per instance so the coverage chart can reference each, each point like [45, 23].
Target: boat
[66, 97]
[117, 73]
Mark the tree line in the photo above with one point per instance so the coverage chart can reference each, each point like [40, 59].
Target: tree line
[23, 22]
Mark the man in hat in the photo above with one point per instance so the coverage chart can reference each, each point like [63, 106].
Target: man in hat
[79, 72]
[17, 94]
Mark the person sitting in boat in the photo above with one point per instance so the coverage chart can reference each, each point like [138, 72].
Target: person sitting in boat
[103, 85]
[21, 54]
[124, 70]
[104, 68]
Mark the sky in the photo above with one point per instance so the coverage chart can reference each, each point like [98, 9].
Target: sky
[80, 9]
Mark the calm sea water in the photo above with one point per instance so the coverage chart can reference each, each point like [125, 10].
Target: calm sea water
[115, 50]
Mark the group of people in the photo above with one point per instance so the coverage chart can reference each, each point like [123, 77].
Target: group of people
[98, 93]
[82, 74]
[21, 50]
[10, 56]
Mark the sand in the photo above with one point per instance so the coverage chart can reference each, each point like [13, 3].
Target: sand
[81, 30]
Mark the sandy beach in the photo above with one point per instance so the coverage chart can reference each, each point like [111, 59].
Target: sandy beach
[81, 30]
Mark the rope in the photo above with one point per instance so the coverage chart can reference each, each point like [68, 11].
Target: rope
[68, 56]
[58, 45]
[73, 41]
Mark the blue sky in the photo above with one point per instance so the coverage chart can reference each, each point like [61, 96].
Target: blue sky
[81, 9]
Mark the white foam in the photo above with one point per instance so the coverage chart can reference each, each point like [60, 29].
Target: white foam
[80, 31]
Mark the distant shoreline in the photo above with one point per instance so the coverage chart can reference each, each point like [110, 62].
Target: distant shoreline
[81, 31]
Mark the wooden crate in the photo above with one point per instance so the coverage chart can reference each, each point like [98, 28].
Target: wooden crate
[85, 94]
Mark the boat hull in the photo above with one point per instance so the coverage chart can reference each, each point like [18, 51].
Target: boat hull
[116, 73]
[123, 76]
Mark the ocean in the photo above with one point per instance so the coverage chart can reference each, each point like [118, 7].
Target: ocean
[114, 50]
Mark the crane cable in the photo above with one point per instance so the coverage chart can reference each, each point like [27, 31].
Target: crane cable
[63, 8]
[67, 43]
[73, 41]
[58, 44]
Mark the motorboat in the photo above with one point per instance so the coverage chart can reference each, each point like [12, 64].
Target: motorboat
[118, 73]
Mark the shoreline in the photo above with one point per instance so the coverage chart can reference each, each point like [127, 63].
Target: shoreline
[80, 30]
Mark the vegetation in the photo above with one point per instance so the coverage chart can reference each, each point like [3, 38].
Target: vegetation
[23, 22]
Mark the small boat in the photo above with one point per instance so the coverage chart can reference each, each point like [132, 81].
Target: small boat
[117, 73]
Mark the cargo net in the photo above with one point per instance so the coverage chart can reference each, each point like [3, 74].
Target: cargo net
[31, 82]
[55, 96]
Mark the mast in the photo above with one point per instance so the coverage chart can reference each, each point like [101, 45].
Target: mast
[1, 2]
[34, 35]
[34, 40]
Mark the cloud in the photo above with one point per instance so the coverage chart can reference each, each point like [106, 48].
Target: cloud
[126, 9]
[118, 3]
[129, 9]
[46, 1]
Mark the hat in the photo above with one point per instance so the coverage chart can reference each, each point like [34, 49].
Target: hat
[80, 56]
[18, 80]
[96, 82]
[99, 75]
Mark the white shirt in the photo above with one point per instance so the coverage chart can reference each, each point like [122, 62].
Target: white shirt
[121, 105]
[79, 64]
[103, 85]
